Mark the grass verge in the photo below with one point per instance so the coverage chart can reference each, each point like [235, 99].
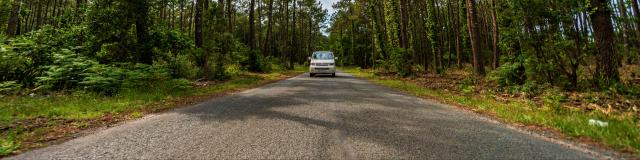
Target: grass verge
[28, 122]
[622, 132]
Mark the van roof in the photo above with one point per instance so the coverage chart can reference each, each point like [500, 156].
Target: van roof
[322, 52]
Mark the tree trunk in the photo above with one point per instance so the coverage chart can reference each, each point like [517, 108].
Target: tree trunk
[198, 27]
[404, 23]
[252, 25]
[607, 63]
[142, 31]
[13, 20]
[457, 34]
[625, 27]
[636, 12]
[268, 46]
[229, 10]
[496, 35]
[478, 66]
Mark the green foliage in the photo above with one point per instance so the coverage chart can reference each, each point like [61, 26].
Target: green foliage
[509, 74]
[622, 89]
[182, 66]
[530, 89]
[254, 62]
[468, 85]
[399, 62]
[109, 80]
[9, 87]
[554, 98]
[65, 72]
[7, 145]
[14, 66]
[179, 84]
[103, 79]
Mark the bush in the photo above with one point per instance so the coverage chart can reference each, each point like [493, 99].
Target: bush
[509, 74]
[103, 79]
[622, 89]
[179, 84]
[9, 87]
[65, 72]
[530, 89]
[400, 62]
[139, 75]
[109, 80]
[24, 58]
[182, 67]
[14, 66]
[254, 62]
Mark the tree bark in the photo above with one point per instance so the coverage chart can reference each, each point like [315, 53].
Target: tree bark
[478, 66]
[252, 25]
[142, 31]
[404, 23]
[625, 26]
[268, 47]
[636, 12]
[198, 27]
[607, 63]
[13, 20]
[229, 10]
[496, 35]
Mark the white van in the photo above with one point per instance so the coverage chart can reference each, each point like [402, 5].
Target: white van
[322, 62]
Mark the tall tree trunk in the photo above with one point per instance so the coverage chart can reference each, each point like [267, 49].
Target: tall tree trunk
[198, 27]
[252, 25]
[457, 34]
[13, 20]
[142, 31]
[607, 64]
[636, 12]
[268, 46]
[294, 40]
[478, 65]
[229, 10]
[496, 35]
[404, 23]
[625, 27]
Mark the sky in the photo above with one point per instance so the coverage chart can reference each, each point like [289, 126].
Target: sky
[326, 4]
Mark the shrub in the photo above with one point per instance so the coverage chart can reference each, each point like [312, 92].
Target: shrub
[65, 72]
[622, 89]
[530, 89]
[255, 63]
[9, 87]
[509, 74]
[14, 66]
[103, 79]
[179, 84]
[401, 62]
[139, 75]
[182, 67]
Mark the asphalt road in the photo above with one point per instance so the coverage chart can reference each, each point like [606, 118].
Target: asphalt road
[311, 118]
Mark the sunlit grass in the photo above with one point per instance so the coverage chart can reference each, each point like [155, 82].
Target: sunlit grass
[623, 132]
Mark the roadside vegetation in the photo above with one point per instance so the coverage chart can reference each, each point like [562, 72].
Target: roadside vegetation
[572, 66]
[71, 65]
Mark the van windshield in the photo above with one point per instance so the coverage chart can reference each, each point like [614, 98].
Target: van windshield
[322, 55]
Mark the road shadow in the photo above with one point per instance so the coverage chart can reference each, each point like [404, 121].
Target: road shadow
[371, 114]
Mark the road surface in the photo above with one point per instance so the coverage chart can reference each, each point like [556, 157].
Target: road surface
[311, 118]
